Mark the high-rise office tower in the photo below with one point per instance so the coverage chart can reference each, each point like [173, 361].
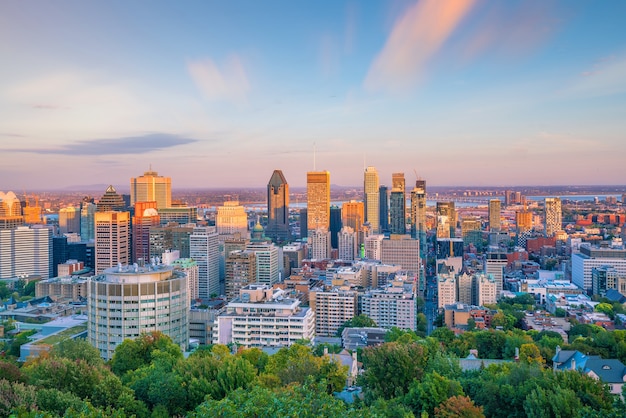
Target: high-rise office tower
[495, 223]
[418, 210]
[204, 249]
[69, 220]
[397, 205]
[10, 205]
[182, 215]
[25, 250]
[151, 187]
[87, 219]
[523, 220]
[347, 244]
[231, 218]
[171, 237]
[146, 217]
[371, 200]
[353, 215]
[446, 220]
[383, 211]
[553, 216]
[10, 211]
[111, 201]
[318, 200]
[32, 213]
[335, 225]
[319, 240]
[471, 230]
[304, 228]
[112, 239]
[278, 208]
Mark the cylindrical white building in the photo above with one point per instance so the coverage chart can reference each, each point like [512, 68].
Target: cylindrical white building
[126, 301]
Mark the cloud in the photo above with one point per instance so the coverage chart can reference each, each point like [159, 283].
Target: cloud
[230, 82]
[606, 78]
[416, 36]
[48, 107]
[115, 146]
[509, 28]
[12, 135]
[329, 55]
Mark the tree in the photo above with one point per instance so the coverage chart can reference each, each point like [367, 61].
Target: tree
[133, 354]
[19, 340]
[556, 403]
[293, 364]
[390, 368]
[605, 308]
[13, 395]
[430, 392]
[75, 376]
[444, 335]
[490, 344]
[459, 407]
[158, 385]
[529, 354]
[308, 401]
[75, 349]
[401, 335]
[233, 373]
[445, 365]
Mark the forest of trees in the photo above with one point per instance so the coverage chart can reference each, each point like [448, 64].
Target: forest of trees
[407, 376]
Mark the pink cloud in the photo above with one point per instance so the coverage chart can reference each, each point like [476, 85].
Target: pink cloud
[416, 36]
[226, 82]
[510, 32]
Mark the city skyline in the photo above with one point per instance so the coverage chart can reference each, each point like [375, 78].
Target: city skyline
[465, 93]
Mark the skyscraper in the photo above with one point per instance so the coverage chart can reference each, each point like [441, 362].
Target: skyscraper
[146, 217]
[319, 243]
[335, 225]
[418, 211]
[278, 208]
[87, 219]
[494, 215]
[151, 187]
[171, 237]
[204, 249]
[383, 209]
[347, 244]
[397, 205]
[69, 220]
[112, 239]
[111, 201]
[553, 216]
[446, 220]
[371, 200]
[231, 219]
[352, 215]
[318, 200]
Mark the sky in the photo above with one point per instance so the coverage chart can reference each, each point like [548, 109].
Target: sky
[221, 93]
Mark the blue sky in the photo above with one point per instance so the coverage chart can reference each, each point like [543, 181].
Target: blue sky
[219, 94]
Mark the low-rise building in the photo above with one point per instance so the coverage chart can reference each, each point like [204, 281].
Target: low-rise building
[610, 371]
[262, 317]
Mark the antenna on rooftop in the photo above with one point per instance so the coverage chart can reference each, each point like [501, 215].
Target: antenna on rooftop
[314, 156]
